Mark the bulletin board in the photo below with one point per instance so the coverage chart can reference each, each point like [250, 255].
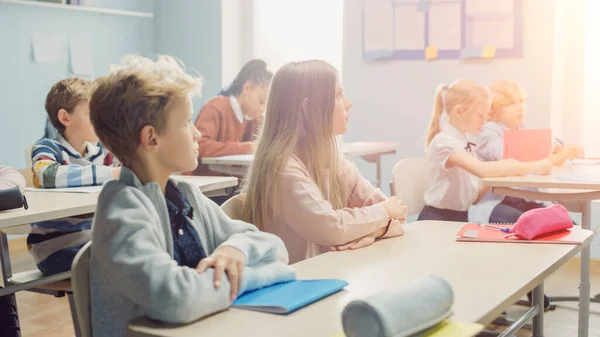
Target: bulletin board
[442, 29]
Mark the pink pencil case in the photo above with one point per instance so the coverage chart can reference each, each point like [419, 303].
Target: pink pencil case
[542, 221]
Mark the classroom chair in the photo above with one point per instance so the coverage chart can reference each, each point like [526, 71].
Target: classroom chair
[57, 285]
[80, 278]
[28, 174]
[409, 183]
[234, 205]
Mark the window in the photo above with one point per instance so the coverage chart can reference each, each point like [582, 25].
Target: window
[292, 30]
[591, 115]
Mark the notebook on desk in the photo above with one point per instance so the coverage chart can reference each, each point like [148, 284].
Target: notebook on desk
[473, 232]
[83, 189]
[585, 161]
[527, 145]
[285, 298]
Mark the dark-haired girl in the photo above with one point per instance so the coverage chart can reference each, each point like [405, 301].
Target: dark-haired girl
[229, 121]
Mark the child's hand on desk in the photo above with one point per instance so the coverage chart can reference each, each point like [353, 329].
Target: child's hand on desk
[543, 166]
[395, 208]
[365, 241]
[249, 146]
[573, 151]
[576, 152]
[564, 154]
[561, 156]
[229, 260]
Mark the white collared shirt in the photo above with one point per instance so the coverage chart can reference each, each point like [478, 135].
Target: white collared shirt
[237, 109]
[450, 188]
[91, 149]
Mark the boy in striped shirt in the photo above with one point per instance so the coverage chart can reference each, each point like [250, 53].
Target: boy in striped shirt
[74, 158]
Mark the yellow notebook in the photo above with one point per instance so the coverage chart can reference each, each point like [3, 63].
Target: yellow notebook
[453, 329]
[447, 329]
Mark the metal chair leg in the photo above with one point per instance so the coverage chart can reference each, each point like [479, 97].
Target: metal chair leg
[74, 314]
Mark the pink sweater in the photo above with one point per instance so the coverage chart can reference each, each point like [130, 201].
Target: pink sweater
[307, 222]
[10, 178]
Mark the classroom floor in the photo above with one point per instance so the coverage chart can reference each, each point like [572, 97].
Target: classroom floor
[46, 316]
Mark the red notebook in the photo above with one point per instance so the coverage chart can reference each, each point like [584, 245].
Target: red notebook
[473, 232]
[527, 144]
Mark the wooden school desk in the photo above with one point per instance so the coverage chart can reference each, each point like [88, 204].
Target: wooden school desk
[371, 151]
[427, 247]
[576, 196]
[50, 205]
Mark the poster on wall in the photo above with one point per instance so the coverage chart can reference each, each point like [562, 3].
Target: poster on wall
[442, 29]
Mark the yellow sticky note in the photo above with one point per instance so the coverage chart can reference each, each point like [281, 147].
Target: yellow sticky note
[431, 53]
[454, 329]
[341, 334]
[488, 52]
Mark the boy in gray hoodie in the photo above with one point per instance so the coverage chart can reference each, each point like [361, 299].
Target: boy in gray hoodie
[160, 248]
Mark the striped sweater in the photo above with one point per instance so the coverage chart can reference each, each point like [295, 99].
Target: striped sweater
[57, 164]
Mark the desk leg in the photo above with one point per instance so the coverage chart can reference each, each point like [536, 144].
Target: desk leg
[5, 259]
[538, 320]
[584, 278]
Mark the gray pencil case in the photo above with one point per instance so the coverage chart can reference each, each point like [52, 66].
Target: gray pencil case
[407, 311]
[12, 198]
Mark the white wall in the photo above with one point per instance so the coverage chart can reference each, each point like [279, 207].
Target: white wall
[571, 84]
[191, 31]
[233, 17]
[24, 84]
[591, 79]
[290, 30]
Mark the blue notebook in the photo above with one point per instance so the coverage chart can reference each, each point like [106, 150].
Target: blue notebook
[287, 297]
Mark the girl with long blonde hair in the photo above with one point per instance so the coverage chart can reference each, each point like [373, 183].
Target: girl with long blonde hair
[298, 186]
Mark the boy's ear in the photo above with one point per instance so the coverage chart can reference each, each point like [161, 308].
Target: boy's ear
[148, 138]
[64, 117]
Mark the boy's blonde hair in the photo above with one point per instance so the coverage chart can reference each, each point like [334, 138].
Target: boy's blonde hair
[65, 94]
[137, 93]
[505, 93]
[298, 121]
[461, 93]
